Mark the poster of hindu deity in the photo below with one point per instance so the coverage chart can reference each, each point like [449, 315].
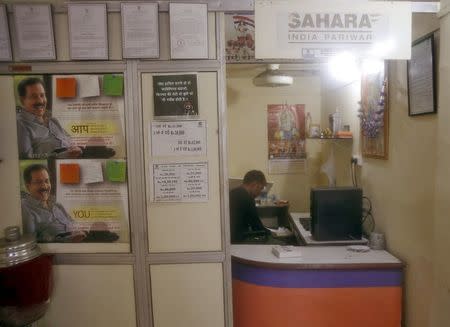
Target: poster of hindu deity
[286, 131]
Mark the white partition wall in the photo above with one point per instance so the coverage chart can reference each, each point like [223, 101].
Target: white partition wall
[174, 249]
[188, 226]
[92, 295]
[187, 295]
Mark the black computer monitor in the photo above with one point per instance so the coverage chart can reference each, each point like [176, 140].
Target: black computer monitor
[336, 213]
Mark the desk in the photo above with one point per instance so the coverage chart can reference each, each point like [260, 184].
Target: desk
[304, 237]
[327, 286]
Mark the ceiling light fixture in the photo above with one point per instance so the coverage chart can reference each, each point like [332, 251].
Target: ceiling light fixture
[273, 77]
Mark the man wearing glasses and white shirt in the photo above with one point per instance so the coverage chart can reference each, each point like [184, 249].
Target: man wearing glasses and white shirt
[40, 136]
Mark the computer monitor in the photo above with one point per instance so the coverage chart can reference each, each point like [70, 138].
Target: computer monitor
[336, 213]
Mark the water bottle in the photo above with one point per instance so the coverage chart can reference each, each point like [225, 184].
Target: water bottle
[337, 122]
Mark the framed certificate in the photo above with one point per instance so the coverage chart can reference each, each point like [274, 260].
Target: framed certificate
[88, 31]
[140, 30]
[188, 30]
[421, 81]
[34, 32]
[5, 40]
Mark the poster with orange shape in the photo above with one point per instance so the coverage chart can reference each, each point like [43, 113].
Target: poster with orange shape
[66, 87]
[69, 173]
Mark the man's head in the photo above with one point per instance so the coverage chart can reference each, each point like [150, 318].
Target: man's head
[254, 182]
[37, 181]
[32, 96]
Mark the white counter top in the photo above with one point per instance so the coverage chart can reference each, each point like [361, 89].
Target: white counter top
[314, 256]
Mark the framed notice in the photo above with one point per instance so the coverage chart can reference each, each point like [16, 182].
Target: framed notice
[5, 40]
[188, 30]
[180, 182]
[140, 30]
[88, 31]
[34, 32]
[175, 96]
[421, 80]
[175, 138]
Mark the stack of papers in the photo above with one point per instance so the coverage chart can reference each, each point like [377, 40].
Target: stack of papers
[286, 251]
[280, 232]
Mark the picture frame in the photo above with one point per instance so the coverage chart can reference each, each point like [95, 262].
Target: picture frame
[88, 31]
[41, 46]
[374, 114]
[140, 30]
[314, 131]
[188, 30]
[5, 37]
[421, 71]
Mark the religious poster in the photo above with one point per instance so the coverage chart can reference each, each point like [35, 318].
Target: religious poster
[239, 37]
[286, 134]
[175, 95]
[71, 145]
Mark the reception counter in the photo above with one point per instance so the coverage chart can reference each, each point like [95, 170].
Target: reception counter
[327, 286]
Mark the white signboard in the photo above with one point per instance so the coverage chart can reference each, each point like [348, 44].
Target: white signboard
[290, 29]
[88, 31]
[171, 138]
[140, 30]
[180, 182]
[34, 32]
[188, 30]
[5, 42]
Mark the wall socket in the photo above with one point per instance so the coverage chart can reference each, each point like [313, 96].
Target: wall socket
[357, 158]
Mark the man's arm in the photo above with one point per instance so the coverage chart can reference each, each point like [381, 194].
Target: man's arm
[28, 224]
[24, 141]
[252, 217]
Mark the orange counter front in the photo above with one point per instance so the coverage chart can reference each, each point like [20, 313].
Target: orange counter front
[326, 287]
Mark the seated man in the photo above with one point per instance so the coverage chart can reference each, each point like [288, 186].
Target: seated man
[38, 135]
[244, 219]
[41, 215]
[47, 219]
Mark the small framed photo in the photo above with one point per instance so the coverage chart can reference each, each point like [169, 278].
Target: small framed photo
[314, 130]
[422, 88]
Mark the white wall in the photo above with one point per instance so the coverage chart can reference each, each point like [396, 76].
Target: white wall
[402, 191]
[195, 226]
[91, 295]
[440, 279]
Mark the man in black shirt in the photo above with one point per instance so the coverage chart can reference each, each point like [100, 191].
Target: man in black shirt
[244, 219]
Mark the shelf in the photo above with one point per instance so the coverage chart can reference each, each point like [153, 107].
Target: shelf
[329, 138]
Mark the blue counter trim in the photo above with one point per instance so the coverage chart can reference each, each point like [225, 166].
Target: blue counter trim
[323, 278]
